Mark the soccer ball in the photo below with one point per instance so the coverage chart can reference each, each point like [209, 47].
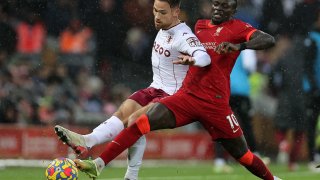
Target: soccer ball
[62, 169]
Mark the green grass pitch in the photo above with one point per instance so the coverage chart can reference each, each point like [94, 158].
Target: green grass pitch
[183, 171]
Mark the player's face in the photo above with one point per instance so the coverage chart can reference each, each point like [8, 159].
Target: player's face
[164, 16]
[222, 10]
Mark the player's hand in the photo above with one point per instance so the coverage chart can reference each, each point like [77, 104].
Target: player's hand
[227, 47]
[185, 60]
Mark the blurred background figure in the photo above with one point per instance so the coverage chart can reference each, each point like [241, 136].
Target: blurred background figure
[312, 88]
[290, 115]
[31, 35]
[8, 36]
[76, 47]
[109, 26]
[8, 111]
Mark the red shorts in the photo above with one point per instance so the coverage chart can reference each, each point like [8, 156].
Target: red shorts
[147, 95]
[217, 119]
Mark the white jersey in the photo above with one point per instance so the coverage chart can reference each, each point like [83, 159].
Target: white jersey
[168, 45]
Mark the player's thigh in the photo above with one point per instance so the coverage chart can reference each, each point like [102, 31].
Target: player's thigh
[160, 117]
[133, 117]
[184, 108]
[128, 107]
[236, 147]
[172, 111]
[219, 121]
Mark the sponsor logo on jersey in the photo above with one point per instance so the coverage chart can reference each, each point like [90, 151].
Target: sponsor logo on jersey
[160, 50]
[209, 45]
[194, 42]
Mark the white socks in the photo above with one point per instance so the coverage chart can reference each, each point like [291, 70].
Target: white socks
[100, 164]
[105, 132]
[135, 155]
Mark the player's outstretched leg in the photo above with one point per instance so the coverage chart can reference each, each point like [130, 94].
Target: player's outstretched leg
[105, 132]
[72, 139]
[237, 147]
[136, 151]
[135, 155]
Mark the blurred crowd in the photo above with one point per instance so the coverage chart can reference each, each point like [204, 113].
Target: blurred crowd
[75, 61]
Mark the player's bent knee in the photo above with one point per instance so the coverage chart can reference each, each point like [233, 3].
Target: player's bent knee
[246, 159]
[143, 124]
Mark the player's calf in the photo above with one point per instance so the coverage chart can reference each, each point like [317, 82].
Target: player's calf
[255, 165]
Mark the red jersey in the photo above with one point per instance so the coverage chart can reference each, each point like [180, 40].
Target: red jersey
[212, 83]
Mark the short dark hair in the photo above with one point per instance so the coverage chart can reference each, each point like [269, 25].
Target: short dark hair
[173, 3]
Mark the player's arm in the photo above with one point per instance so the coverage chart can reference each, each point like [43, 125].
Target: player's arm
[192, 51]
[200, 58]
[258, 40]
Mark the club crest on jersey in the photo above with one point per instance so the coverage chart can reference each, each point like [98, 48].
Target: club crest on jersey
[219, 29]
[194, 42]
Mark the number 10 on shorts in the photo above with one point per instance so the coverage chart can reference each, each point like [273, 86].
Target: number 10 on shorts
[234, 124]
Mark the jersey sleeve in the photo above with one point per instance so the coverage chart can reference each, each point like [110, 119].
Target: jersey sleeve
[188, 43]
[245, 30]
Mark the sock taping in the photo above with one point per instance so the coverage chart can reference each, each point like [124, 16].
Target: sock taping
[247, 158]
[143, 124]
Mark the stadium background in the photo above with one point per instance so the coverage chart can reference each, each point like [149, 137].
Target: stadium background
[73, 63]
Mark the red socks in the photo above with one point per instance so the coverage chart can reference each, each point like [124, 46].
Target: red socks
[125, 139]
[255, 165]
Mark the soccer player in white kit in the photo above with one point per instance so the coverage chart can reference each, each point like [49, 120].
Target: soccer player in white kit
[174, 41]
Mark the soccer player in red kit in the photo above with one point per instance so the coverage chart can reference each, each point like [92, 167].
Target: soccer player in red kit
[204, 95]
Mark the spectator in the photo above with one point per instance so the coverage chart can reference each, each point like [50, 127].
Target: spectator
[303, 16]
[8, 37]
[31, 35]
[137, 13]
[247, 13]
[312, 88]
[58, 15]
[274, 19]
[8, 111]
[76, 46]
[290, 114]
[109, 27]
[75, 39]
[136, 53]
